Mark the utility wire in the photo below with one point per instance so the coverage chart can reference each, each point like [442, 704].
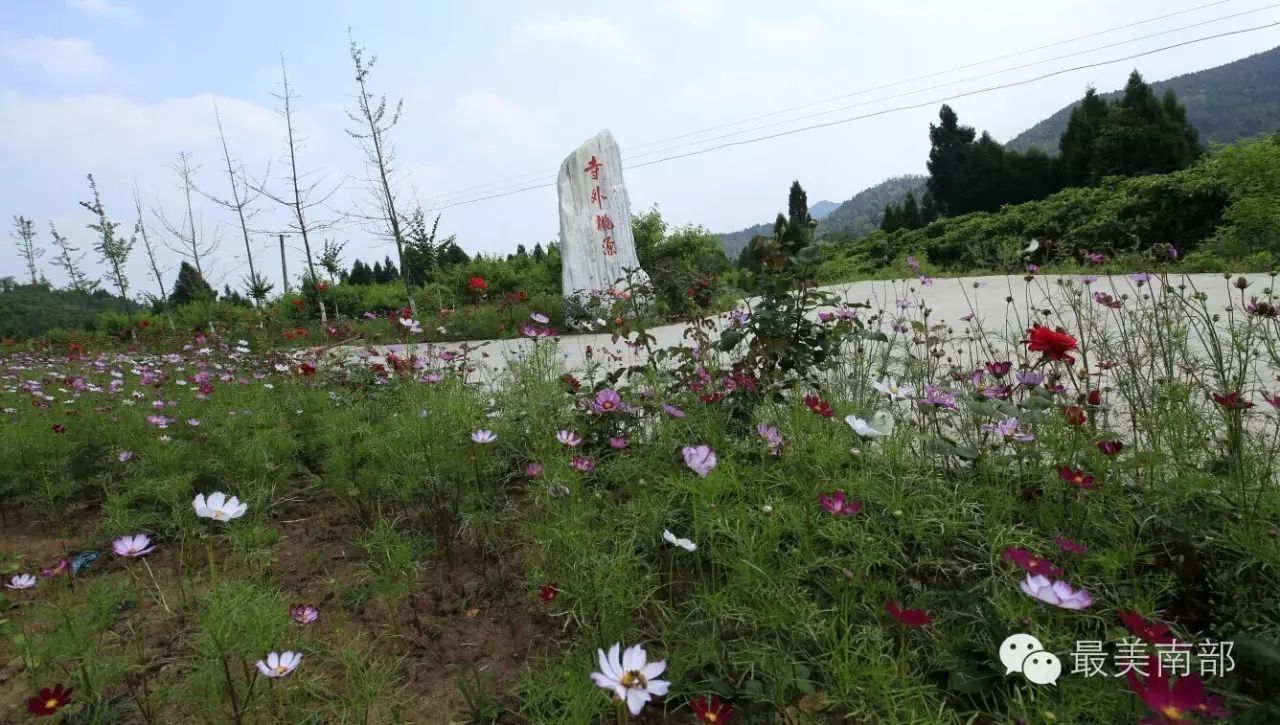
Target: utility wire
[950, 83]
[522, 178]
[837, 122]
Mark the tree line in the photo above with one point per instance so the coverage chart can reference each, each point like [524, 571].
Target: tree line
[1138, 134]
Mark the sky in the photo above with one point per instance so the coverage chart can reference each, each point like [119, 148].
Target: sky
[500, 89]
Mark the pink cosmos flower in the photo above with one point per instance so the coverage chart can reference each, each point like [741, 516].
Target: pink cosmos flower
[770, 436]
[304, 613]
[672, 410]
[836, 504]
[569, 438]
[617, 443]
[607, 401]
[1057, 592]
[700, 459]
[533, 469]
[125, 456]
[133, 546]
[585, 465]
[483, 436]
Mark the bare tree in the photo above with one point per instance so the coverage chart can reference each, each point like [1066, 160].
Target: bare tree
[70, 263]
[374, 124]
[302, 195]
[188, 242]
[140, 230]
[242, 196]
[24, 233]
[111, 247]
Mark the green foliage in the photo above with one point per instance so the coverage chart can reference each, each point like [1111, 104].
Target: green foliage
[1225, 205]
[684, 264]
[28, 311]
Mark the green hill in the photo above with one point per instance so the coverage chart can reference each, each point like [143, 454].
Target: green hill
[1224, 208]
[1226, 103]
[858, 216]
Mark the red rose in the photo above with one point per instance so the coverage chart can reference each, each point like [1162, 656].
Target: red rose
[1055, 344]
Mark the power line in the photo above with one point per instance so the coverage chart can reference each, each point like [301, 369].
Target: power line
[954, 82]
[896, 96]
[988, 89]
[524, 180]
[881, 112]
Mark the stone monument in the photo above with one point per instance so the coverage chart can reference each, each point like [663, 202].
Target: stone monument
[596, 245]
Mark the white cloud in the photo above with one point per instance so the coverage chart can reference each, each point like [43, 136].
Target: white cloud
[787, 37]
[90, 131]
[57, 58]
[596, 34]
[697, 12]
[499, 126]
[105, 8]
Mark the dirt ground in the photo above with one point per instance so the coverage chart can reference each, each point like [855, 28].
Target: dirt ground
[457, 619]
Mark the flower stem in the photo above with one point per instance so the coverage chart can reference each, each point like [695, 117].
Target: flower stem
[213, 569]
[226, 672]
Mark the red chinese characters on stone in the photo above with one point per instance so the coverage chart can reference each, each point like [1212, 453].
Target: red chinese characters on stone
[597, 197]
[593, 168]
[603, 222]
[610, 248]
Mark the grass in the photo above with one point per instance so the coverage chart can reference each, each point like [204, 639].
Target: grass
[453, 582]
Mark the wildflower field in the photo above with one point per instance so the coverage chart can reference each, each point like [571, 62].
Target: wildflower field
[810, 510]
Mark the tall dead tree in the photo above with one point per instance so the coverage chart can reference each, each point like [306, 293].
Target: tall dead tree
[242, 196]
[69, 260]
[302, 195]
[187, 241]
[24, 233]
[140, 229]
[112, 248]
[374, 124]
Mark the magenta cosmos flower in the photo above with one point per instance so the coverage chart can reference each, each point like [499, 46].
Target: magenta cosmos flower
[617, 443]
[1031, 563]
[584, 465]
[701, 459]
[1056, 592]
[568, 437]
[533, 469]
[836, 504]
[132, 546]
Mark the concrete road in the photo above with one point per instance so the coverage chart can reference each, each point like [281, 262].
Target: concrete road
[948, 300]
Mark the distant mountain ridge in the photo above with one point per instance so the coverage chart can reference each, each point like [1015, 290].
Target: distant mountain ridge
[860, 215]
[1225, 104]
[735, 242]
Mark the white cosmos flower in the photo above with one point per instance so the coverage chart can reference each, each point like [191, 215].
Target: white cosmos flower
[21, 581]
[685, 544]
[218, 507]
[891, 388]
[279, 664]
[630, 676]
[880, 425]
